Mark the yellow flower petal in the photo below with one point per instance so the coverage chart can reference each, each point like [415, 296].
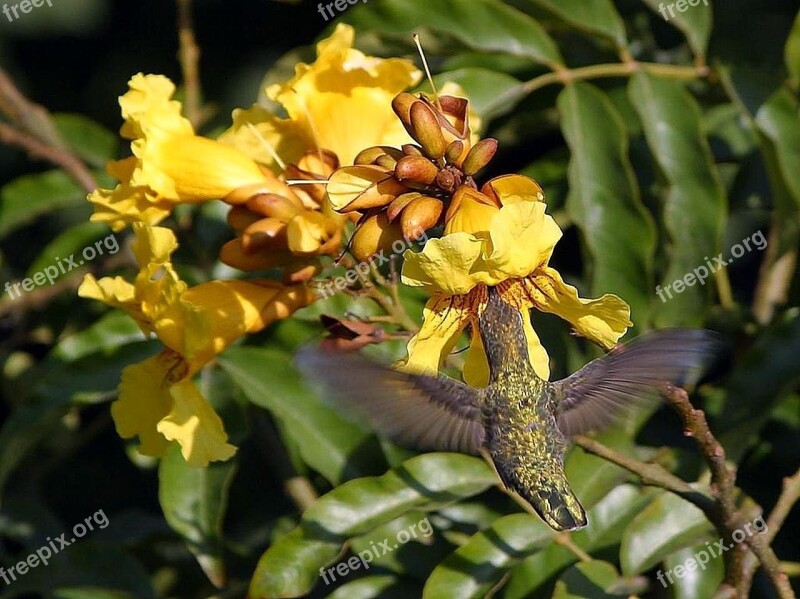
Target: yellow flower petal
[521, 238]
[148, 107]
[472, 215]
[189, 168]
[194, 424]
[512, 189]
[126, 204]
[603, 320]
[144, 400]
[536, 352]
[343, 100]
[307, 231]
[444, 318]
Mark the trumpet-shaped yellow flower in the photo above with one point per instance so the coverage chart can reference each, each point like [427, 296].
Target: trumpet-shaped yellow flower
[158, 401]
[508, 247]
[170, 164]
[341, 102]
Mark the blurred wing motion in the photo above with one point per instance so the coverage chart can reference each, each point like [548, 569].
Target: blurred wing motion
[595, 395]
[437, 413]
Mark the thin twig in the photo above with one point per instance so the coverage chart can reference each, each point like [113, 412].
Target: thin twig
[55, 155]
[189, 57]
[624, 69]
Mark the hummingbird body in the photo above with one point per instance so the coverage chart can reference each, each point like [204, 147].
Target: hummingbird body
[520, 420]
[519, 416]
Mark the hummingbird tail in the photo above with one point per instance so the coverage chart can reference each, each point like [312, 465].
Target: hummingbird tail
[548, 493]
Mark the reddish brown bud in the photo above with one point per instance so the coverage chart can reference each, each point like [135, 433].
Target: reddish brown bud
[376, 233]
[479, 156]
[427, 130]
[417, 169]
[274, 205]
[267, 234]
[419, 216]
[239, 218]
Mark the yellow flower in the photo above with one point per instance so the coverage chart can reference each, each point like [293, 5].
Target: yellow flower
[508, 247]
[158, 400]
[341, 102]
[170, 164]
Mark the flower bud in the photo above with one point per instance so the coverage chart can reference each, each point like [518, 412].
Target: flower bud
[427, 130]
[376, 233]
[386, 161]
[239, 218]
[411, 150]
[232, 253]
[370, 155]
[399, 203]
[479, 156]
[274, 205]
[267, 234]
[417, 169]
[454, 152]
[401, 104]
[420, 215]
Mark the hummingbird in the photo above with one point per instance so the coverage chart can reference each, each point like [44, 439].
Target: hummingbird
[521, 421]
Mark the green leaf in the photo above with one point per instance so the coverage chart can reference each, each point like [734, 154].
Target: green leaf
[792, 51]
[369, 587]
[113, 329]
[28, 197]
[491, 94]
[669, 523]
[696, 581]
[193, 501]
[88, 139]
[761, 380]
[695, 21]
[604, 198]
[778, 119]
[607, 523]
[695, 204]
[484, 25]
[598, 17]
[476, 567]
[326, 441]
[292, 565]
[587, 580]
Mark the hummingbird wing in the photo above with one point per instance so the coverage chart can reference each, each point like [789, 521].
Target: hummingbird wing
[426, 412]
[629, 375]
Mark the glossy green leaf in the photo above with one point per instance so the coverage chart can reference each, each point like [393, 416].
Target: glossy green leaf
[669, 523]
[490, 93]
[598, 17]
[761, 380]
[779, 120]
[476, 567]
[193, 501]
[604, 199]
[586, 580]
[325, 440]
[792, 51]
[607, 522]
[695, 203]
[701, 571]
[484, 25]
[291, 566]
[695, 21]
[113, 329]
[88, 139]
[28, 197]
[372, 587]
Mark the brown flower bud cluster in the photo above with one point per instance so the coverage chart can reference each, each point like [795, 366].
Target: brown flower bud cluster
[285, 227]
[403, 192]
